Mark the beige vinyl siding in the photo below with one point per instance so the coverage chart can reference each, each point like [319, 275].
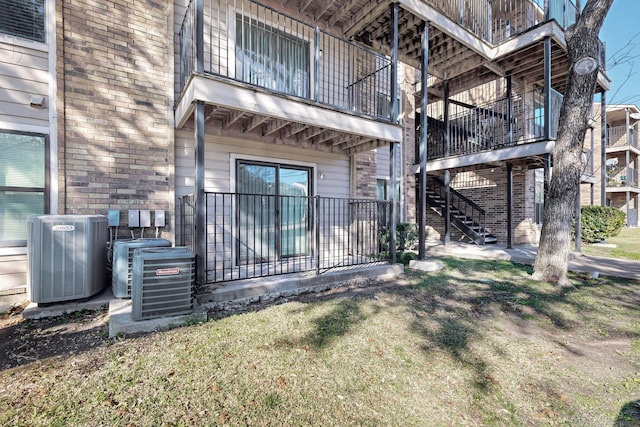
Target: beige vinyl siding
[13, 271]
[23, 73]
[218, 150]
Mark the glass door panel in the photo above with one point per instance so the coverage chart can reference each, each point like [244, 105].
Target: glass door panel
[256, 213]
[273, 212]
[294, 211]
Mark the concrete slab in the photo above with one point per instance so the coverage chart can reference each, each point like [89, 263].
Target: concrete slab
[291, 284]
[96, 302]
[121, 322]
[426, 265]
[13, 290]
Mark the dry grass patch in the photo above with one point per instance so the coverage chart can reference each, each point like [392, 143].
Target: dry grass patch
[475, 344]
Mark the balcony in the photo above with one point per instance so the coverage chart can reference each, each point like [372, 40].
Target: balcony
[245, 58]
[502, 124]
[622, 138]
[621, 178]
[497, 20]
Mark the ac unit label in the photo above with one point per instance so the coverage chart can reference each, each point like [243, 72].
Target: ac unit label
[167, 271]
[64, 227]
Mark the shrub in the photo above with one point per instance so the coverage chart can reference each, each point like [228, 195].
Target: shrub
[406, 235]
[600, 222]
[405, 257]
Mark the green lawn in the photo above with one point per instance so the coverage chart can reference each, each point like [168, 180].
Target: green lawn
[627, 246]
[476, 344]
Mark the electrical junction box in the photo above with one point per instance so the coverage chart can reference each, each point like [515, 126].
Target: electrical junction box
[113, 218]
[159, 218]
[134, 218]
[145, 218]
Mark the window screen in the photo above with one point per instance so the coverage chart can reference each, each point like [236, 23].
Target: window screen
[23, 18]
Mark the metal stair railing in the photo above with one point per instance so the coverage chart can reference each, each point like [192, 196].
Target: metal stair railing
[466, 215]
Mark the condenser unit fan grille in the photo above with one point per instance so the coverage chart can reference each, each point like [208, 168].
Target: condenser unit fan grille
[163, 282]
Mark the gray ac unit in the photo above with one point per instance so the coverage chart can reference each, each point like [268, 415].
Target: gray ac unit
[163, 282]
[123, 263]
[66, 257]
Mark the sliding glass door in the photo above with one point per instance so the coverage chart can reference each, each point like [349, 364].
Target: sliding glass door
[273, 209]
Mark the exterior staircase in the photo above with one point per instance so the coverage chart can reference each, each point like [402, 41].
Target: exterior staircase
[466, 215]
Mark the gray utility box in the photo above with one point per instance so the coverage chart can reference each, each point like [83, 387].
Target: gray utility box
[66, 257]
[163, 282]
[123, 263]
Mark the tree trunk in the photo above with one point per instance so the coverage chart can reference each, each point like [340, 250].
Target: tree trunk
[555, 241]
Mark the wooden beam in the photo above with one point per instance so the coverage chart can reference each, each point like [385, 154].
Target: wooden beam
[329, 135]
[233, 117]
[343, 11]
[326, 8]
[343, 140]
[305, 6]
[356, 142]
[363, 17]
[309, 133]
[368, 146]
[293, 129]
[256, 121]
[212, 110]
[274, 126]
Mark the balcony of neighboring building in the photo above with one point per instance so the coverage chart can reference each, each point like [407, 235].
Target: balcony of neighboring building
[623, 138]
[621, 178]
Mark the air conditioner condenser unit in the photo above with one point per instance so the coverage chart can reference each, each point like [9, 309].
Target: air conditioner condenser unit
[122, 268]
[163, 282]
[66, 257]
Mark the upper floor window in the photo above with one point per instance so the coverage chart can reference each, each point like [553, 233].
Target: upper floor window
[23, 18]
[23, 184]
[268, 57]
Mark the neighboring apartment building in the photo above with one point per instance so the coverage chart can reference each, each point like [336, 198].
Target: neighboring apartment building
[615, 169]
[275, 125]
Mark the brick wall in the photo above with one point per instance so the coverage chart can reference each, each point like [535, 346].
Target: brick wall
[115, 98]
[364, 182]
[492, 197]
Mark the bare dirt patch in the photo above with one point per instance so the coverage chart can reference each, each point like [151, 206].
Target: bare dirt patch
[25, 341]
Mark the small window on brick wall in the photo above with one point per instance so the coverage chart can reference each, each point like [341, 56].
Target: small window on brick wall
[23, 18]
[23, 184]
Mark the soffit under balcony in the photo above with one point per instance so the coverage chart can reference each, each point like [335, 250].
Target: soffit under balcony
[251, 113]
[260, 128]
